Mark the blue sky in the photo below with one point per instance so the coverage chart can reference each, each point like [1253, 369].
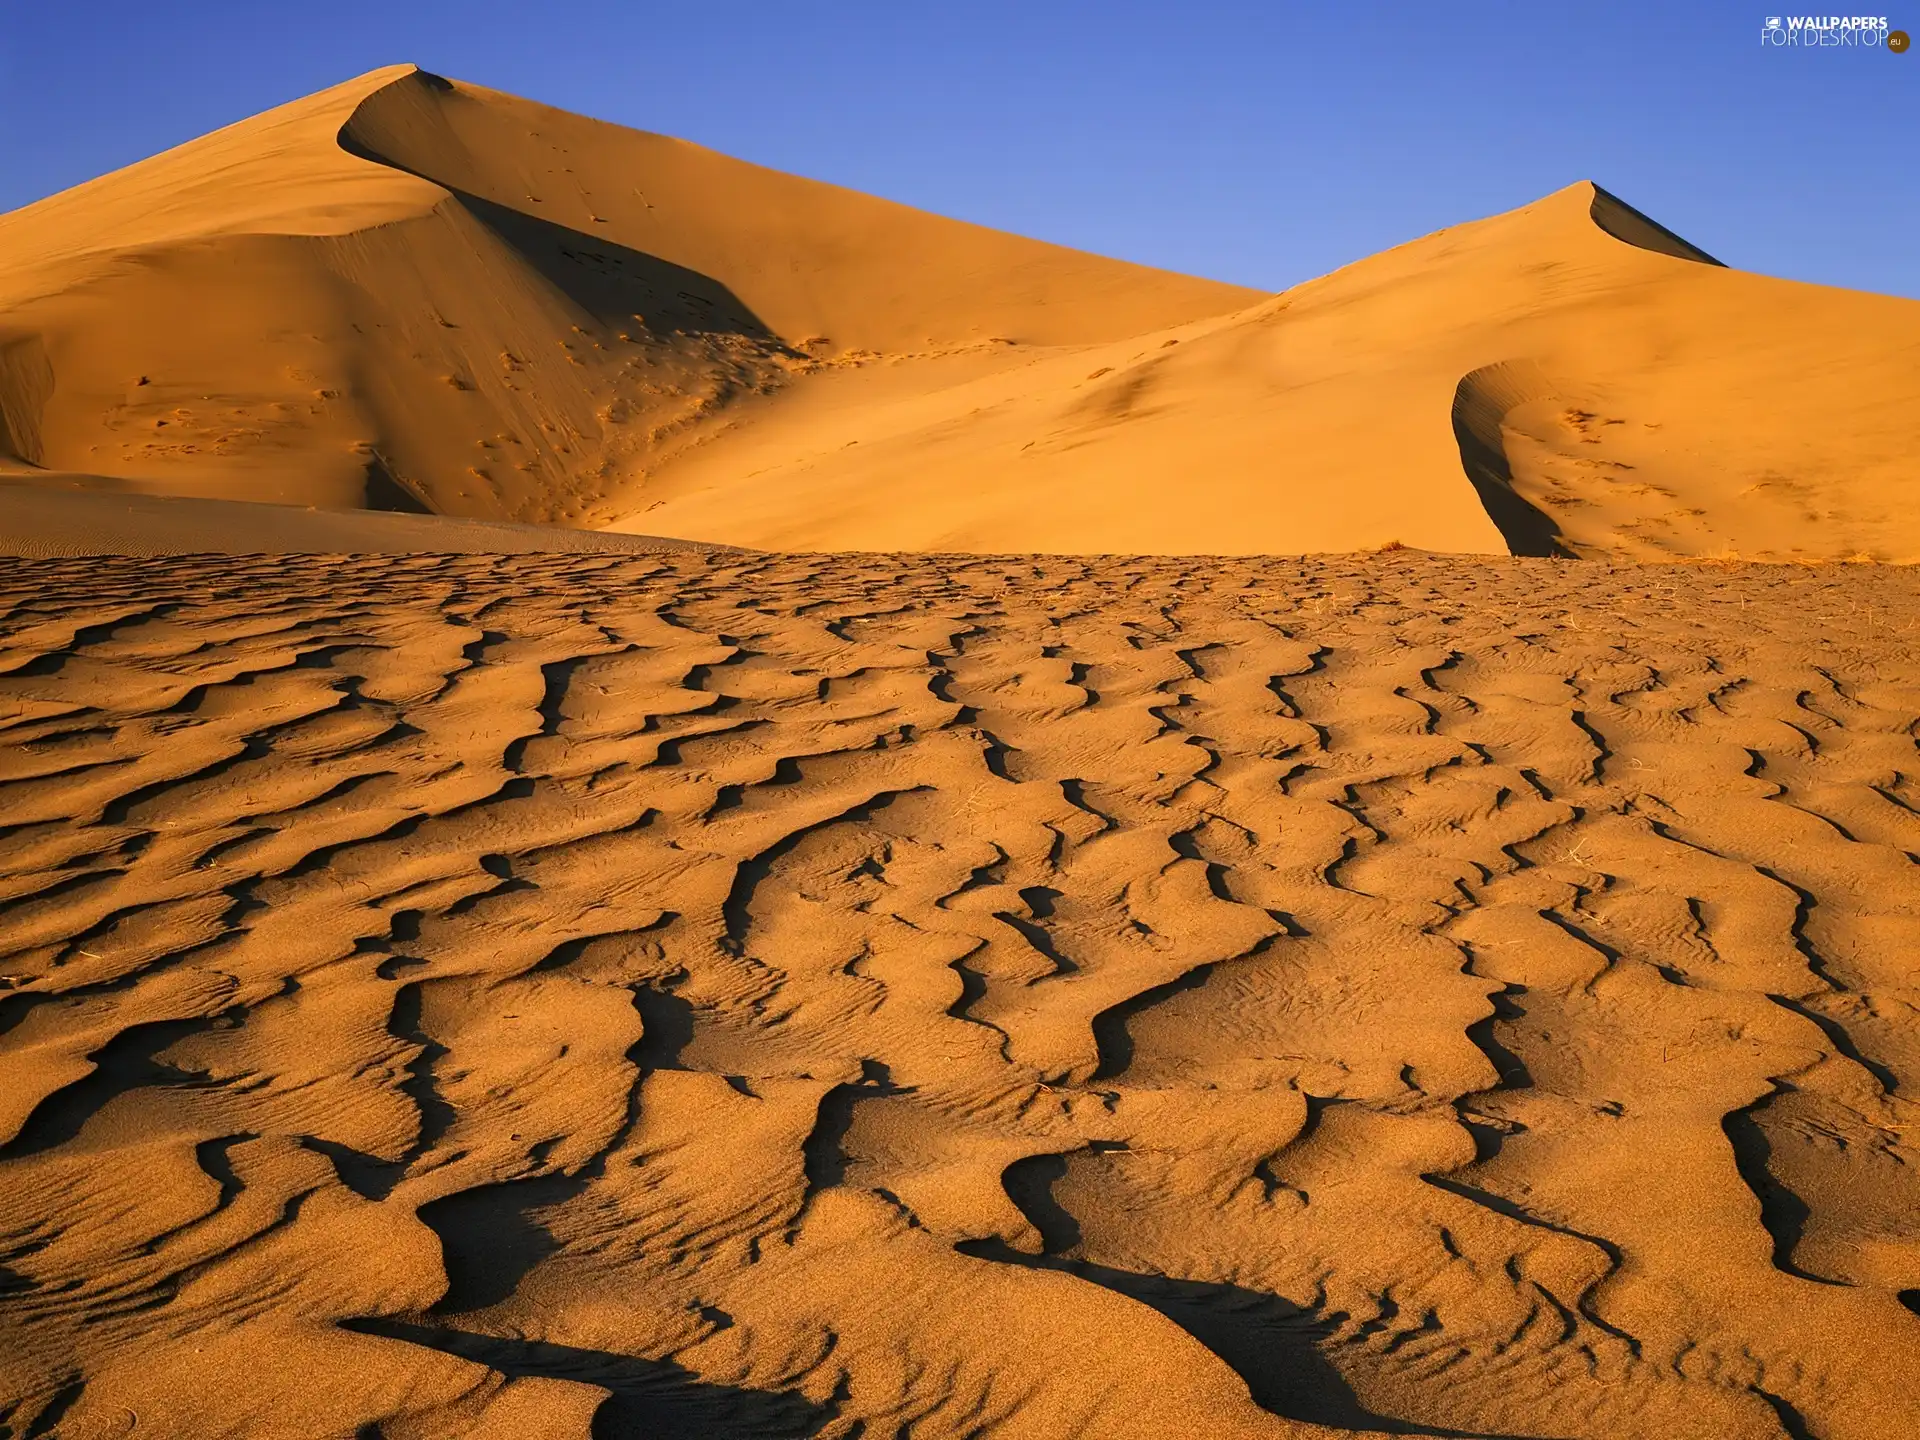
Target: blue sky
[1259, 143]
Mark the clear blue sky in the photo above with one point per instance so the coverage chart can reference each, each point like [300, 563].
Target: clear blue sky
[1257, 142]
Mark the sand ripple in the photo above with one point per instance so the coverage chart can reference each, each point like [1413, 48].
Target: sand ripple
[713, 995]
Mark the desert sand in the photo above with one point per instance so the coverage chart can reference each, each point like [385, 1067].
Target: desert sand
[722, 995]
[645, 798]
[72, 517]
[412, 293]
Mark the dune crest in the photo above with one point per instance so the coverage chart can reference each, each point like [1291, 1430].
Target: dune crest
[1623, 222]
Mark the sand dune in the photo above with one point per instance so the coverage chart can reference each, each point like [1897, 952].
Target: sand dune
[413, 293]
[409, 294]
[1675, 408]
[702, 995]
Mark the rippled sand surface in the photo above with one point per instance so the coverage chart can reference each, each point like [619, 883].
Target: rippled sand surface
[721, 995]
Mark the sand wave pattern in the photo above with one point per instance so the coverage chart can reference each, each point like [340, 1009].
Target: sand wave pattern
[700, 995]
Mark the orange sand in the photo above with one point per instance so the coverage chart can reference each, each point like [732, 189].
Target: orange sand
[668, 990]
[702, 995]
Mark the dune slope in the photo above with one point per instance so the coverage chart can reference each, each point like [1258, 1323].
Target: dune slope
[768, 996]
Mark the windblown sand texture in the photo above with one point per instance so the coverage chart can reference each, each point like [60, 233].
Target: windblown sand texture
[713, 995]
[414, 293]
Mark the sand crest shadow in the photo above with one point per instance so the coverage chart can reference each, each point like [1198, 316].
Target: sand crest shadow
[612, 282]
[1480, 402]
[649, 1399]
[1269, 1342]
